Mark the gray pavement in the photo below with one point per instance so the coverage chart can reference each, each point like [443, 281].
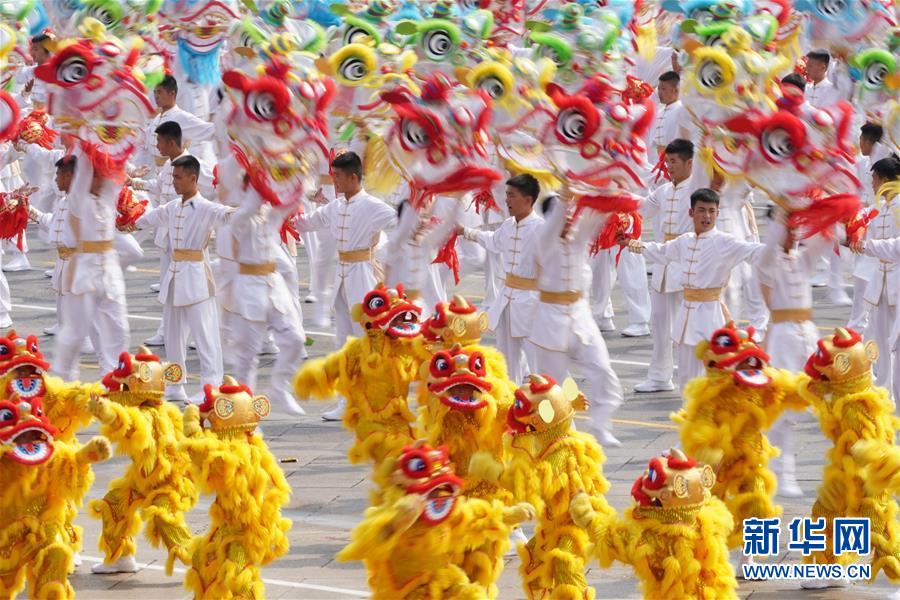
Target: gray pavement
[330, 495]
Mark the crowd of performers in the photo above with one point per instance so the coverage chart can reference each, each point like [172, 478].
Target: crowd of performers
[383, 138]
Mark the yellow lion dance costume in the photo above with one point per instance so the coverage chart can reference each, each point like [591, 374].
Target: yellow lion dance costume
[373, 373]
[675, 538]
[157, 487]
[42, 478]
[24, 372]
[724, 418]
[858, 418]
[230, 460]
[409, 541]
[548, 464]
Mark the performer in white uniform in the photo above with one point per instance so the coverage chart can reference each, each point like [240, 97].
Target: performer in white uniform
[705, 258]
[93, 289]
[564, 333]
[260, 298]
[355, 220]
[187, 292]
[511, 314]
[792, 335]
[669, 206]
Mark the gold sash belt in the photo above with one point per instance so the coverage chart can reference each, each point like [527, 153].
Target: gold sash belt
[184, 255]
[669, 237]
[355, 256]
[98, 247]
[702, 294]
[521, 283]
[64, 252]
[257, 269]
[567, 297]
[791, 315]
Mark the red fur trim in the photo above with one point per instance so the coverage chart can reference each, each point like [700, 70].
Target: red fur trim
[128, 210]
[447, 256]
[13, 126]
[823, 213]
[13, 222]
[539, 388]
[687, 463]
[855, 338]
[146, 357]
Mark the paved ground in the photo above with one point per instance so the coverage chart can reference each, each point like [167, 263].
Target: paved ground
[330, 495]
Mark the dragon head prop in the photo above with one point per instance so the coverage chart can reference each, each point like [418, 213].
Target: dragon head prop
[198, 28]
[389, 311]
[9, 116]
[427, 472]
[232, 409]
[22, 366]
[34, 129]
[672, 487]
[458, 378]
[877, 76]
[841, 357]
[839, 25]
[279, 128]
[140, 378]
[117, 16]
[542, 404]
[455, 322]
[437, 140]
[97, 95]
[732, 351]
[26, 435]
[447, 38]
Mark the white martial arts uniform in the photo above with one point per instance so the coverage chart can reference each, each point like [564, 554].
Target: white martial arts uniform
[705, 262]
[564, 333]
[356, 224]
[670, 205]
[511, 314]
[92, 287]
[889, 348]
[670, 122]
[260, 298]
[882, 289]
[196, 134]
[822, 94]
[187, 291]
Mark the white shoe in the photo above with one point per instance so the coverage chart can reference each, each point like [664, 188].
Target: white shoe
[270, 347]
[515, 537]
[130, 269]
[289, 403]
[742, 560]
[606, 439]
[310, 299]
[87, 347]
[821, 584]
[607, 325]
[336, 413]
[651, 385]
[783, 466]
[192, 345]
[77, 560]
[126, 564]
[154, 287]
[48, 273]
[820, 280]
[155, 340]
[788, 487]
[19, 262]
[839, 298]
[52, 330]
[641, 330]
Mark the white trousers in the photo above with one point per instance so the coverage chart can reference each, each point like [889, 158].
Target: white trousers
[663, 308]
[518, 353]
[689, 366]
[164, 262]
[743, 289]
[127, 248]
[859, 312]
[321, 249]
[881, 324]
[5, 300]
[344, 325]
[592, 361]
[287, 331]
[632, 276]
[201, 320]
[80, 316]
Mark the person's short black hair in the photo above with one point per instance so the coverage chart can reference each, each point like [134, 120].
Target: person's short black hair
[188, 163]
[795, 79]
[348, 162]
[820, 55]
[871, 132]
[169, 130]
[670, 76]
[887, 168]
[169, 83]
[704, 195]
[684, 149]
[66, 164]
[39, 39]
[548, 203]
[526, 184]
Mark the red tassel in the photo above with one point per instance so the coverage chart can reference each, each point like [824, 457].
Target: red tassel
[13, 221]
[484, 200]
[616, 224]
[608, 204]
[858, 225]
[128, 210]
[447, 256]
[660, 168]
[105, 165]
[256, 177]
[823, 213]
[288, 229]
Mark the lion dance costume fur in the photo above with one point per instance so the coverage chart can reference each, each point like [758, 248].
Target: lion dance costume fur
[858, 418]
[24, 373]
[43, 478]
[675, 537]
[548, 464]
[230, 460]
[724, 418]
[373, 373]
[157, 487]
[408, 542]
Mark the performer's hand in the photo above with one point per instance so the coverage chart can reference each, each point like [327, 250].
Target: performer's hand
[140, 171]
[581, 510]
[319, 197]
[622, 239]
[96, 450]
[519, 513]
[857, 247]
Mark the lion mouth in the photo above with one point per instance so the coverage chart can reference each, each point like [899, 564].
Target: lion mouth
[404, 325]
[31, 446]
[439, 502]
[464, 396]
[750, 373]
